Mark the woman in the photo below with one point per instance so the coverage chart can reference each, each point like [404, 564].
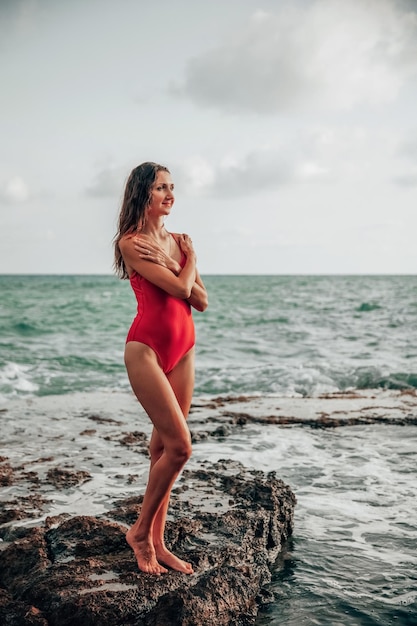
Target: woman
[159, 351]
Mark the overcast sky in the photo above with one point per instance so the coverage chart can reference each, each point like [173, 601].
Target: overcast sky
[289, 127]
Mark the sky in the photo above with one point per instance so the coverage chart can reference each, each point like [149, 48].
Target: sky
[289, 128]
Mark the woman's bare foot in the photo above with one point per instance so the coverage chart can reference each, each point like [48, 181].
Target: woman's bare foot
[145, 555]
[170, 560]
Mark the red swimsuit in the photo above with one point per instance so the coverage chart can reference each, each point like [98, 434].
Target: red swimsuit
[163, 322]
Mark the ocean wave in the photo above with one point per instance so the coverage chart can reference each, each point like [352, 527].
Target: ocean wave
[368, 306]
[66, 375]
[297, 380]
[371, 379]
[16, 379]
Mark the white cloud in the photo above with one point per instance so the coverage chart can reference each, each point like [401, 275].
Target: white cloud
[407, 178]
[408, 147]
[319, 154]
[312, 171]
[15, 190]
[108, 182]
[196, 174]
[334, 54]
[406, 175]
[236, 175]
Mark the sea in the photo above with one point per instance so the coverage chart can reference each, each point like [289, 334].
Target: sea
[352, 559]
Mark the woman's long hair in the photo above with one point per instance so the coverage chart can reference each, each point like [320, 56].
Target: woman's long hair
[138, 193]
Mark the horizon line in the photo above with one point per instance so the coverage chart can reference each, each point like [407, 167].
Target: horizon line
[221, 274]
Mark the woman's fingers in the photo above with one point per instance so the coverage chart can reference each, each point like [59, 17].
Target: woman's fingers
[144, 248]
[186, 243]
[149, 250]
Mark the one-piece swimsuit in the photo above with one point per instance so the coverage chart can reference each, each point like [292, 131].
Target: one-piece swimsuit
[163, 322]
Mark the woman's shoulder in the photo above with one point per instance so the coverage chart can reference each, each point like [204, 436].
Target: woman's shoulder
[126, 240]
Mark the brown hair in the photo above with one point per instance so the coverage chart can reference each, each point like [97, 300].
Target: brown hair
[136, 198]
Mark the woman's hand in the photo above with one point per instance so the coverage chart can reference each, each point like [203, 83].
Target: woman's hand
[150, 250]
[186, 245]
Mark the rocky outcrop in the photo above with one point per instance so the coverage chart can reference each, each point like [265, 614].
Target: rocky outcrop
[231, 523]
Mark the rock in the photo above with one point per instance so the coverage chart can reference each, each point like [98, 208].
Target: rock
[15, 613]
[63, 478]
[231, 523]
[6, 473]
[22, 507]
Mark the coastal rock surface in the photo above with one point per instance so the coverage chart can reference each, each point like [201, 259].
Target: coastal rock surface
[231, 523]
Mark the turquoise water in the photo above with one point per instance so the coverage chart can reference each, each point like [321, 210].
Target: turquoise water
[260, 334]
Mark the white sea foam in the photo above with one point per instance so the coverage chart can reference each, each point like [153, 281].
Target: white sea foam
[15, 378]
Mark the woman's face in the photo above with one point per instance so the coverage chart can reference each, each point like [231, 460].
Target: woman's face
[162, 197]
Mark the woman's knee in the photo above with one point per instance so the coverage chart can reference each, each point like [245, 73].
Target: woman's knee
[179, 452]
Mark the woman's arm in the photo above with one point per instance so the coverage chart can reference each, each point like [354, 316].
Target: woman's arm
[178, 286]
[199, 297]
[150, 250]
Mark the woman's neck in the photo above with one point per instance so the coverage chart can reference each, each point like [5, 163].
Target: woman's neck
[155, 229]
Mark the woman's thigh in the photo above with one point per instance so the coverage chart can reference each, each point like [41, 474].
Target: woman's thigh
[181, 380]
[155, 393]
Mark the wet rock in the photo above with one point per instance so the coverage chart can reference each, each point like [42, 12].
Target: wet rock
[22, 507]
[6, 474]
[14, 613]
[63, 478]
[99, 419]
[136, 440]
[322, 419]
[199, 435]
[220, 432]
[229, 522]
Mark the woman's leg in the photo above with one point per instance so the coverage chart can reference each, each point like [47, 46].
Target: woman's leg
[158, 398]
[181, 379]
